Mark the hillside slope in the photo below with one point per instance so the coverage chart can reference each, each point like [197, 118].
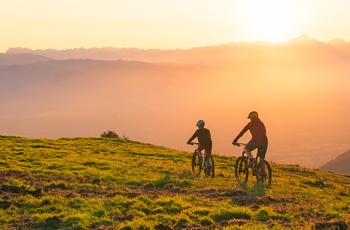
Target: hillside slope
[101, 183]
[339, 164]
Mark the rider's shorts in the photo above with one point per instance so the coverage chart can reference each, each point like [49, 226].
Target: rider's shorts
[261, 146]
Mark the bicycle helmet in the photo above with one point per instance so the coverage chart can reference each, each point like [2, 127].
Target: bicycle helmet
[200, 123]
[253, 114]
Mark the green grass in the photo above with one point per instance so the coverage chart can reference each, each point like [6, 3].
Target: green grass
[112, 183]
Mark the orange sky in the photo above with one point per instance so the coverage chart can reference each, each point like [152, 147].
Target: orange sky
[65, 24]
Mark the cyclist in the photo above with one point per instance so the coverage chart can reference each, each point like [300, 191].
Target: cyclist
[259, 138]
[204, 139]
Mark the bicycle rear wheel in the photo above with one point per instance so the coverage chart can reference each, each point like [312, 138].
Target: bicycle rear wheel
[263, 173]
[196, 163]
[210, 167]
[241, 169]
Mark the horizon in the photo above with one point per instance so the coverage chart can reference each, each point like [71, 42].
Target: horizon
[240, 42]
[167, 25]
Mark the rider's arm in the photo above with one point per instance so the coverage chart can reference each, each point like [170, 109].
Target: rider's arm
[244, 130]
[192, 138]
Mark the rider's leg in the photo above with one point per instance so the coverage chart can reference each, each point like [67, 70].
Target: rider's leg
[249, 153]
[262, 149]
[248, 150]
[200, 148]
[207, 156]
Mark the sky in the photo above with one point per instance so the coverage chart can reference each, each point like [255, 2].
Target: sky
[166, 24]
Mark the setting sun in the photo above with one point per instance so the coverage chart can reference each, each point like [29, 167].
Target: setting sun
[157, 24]
[271, 21]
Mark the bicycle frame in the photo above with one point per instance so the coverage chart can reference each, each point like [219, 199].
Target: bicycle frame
[245, 155]
[202, 156]
[200, 160]
[260, 169]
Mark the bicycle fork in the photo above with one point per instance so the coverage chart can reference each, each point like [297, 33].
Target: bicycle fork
[244, 166]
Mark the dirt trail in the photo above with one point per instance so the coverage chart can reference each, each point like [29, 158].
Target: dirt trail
[36, 187]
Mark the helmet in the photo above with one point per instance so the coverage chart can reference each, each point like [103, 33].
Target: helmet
[200, 123]
[253, 114]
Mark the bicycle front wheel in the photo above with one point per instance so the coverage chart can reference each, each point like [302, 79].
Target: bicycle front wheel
[263, 173]
[196, 163]
[210, 167]
[241, 169]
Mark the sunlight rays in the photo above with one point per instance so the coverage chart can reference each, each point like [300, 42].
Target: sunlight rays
[273, 21]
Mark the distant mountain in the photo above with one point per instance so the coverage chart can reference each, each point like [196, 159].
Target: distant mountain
[108, 53]
[341, 164]
[20, 58]
[298, 49]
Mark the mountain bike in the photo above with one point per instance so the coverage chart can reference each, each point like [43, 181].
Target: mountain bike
[202, 161]
[260, 168]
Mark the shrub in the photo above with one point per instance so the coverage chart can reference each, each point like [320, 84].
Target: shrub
[110, 134]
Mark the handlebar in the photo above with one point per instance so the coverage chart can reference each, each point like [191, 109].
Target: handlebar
[239, 144]
[193, 143]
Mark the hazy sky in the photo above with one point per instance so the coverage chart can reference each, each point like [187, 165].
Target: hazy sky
[166, 24]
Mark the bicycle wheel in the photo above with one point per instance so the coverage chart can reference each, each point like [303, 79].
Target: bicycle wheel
[263, 173]
[241, 169]
[196, 163]
[210, 167]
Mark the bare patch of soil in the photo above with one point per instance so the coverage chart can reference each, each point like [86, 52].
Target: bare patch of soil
[37, 186]
[338, 225]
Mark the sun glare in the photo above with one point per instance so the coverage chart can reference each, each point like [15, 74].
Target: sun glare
[271, 21]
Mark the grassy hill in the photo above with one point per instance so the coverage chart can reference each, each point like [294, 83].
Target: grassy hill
[105, 183]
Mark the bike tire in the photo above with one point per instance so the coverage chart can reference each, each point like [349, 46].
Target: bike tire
[210, 171]
[196, 163]
[241, 169]
[264, 173]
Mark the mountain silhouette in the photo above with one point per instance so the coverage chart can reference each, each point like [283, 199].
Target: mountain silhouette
[301, 48]
[20, 59]
[339, 165]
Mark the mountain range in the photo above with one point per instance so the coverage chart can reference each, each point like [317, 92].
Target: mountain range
[291, 50]
[300, 89]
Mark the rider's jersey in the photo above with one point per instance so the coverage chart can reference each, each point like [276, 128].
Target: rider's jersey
[204, 137]
[257, 129]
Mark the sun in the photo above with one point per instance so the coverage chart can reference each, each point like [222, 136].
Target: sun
[270, 20]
